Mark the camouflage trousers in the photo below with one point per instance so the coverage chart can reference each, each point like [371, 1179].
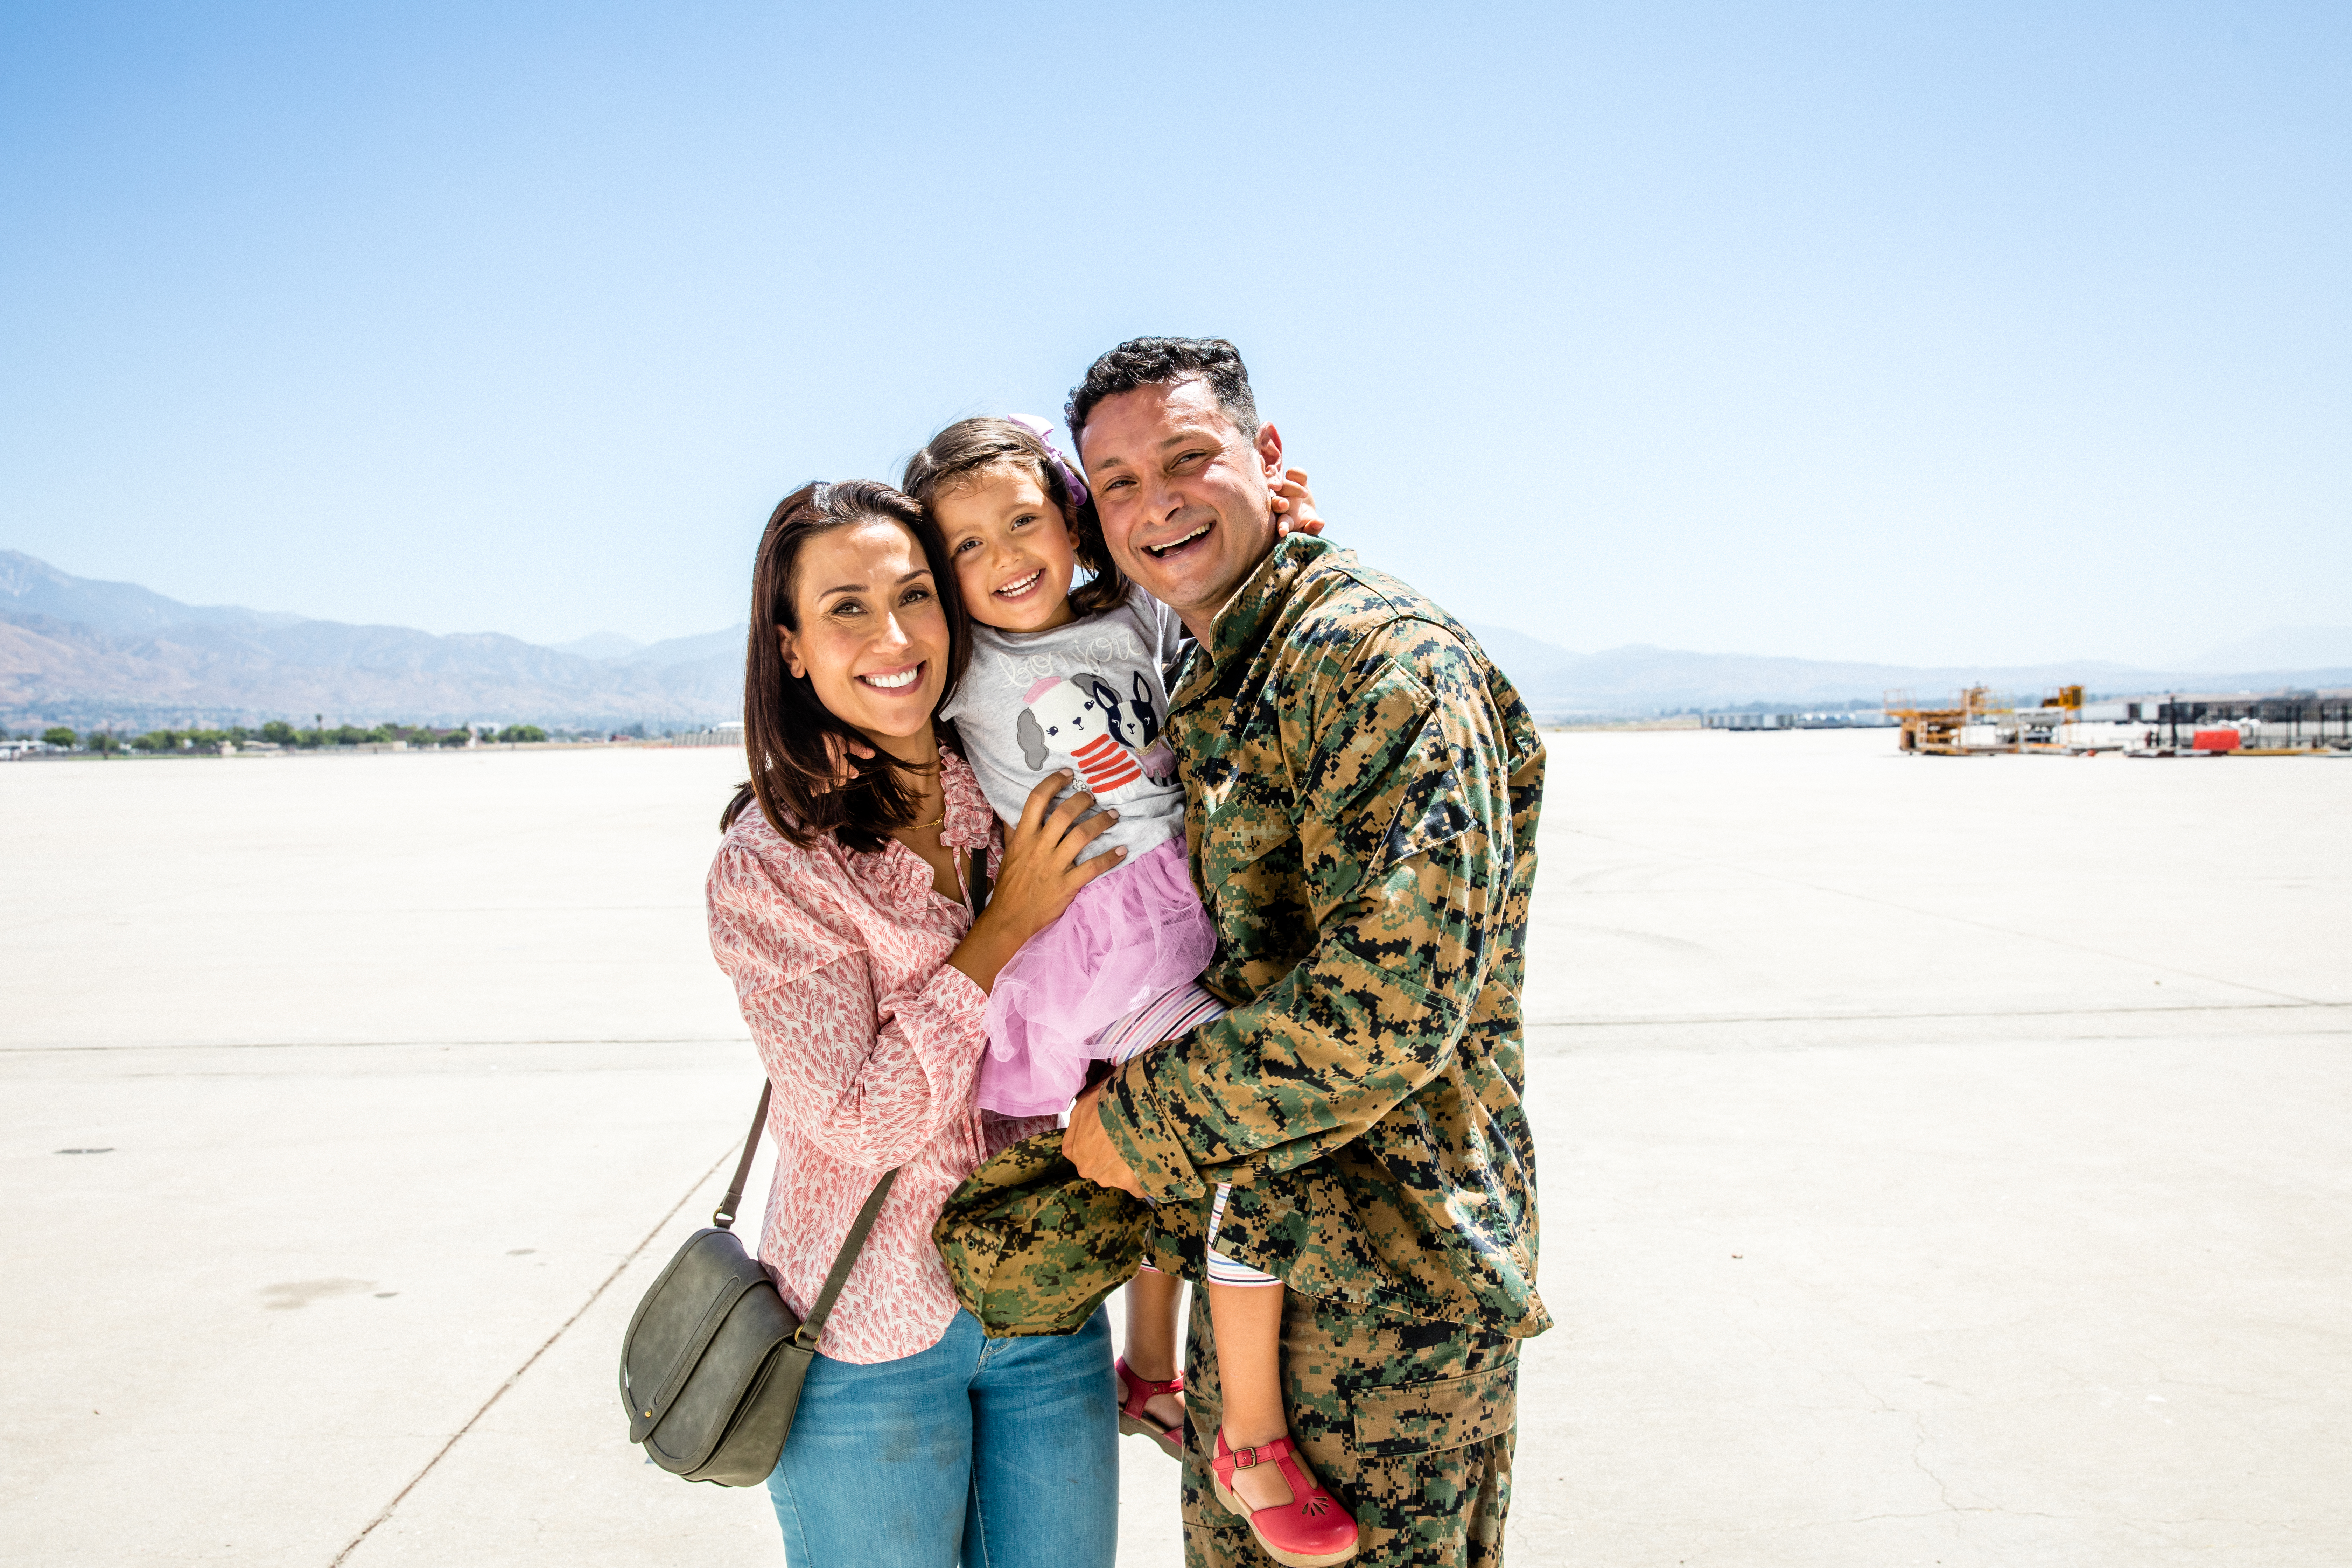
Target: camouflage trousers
[1409, 1425]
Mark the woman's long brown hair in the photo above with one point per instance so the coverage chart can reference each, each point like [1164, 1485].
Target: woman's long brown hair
[785, 726]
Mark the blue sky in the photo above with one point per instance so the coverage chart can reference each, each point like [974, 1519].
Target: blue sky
[1888, 330]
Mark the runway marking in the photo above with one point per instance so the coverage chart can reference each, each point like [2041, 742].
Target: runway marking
[516, 1376]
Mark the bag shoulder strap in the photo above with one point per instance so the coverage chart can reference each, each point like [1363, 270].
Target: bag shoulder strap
[813, 1326]
[979, 880]
[724, 1216]
[851, 1244]
[854, 1243]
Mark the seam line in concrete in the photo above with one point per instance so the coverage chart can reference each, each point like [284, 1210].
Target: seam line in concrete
[388, 1045]
[516, 1376]
[1638, 1020]
[505, 836]
[1934, 914]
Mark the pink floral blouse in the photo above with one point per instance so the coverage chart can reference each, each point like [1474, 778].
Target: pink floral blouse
[872, 1042]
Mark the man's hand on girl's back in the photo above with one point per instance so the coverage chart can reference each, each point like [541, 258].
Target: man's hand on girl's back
[1089, 1148]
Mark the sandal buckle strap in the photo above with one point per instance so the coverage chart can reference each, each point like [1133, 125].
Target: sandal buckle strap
[1271, 1453]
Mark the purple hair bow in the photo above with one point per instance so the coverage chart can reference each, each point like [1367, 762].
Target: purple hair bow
[1043, 430]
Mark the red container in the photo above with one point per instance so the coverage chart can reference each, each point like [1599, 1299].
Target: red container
[2216, 741]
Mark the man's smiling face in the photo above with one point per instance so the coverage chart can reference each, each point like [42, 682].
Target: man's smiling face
[1182, 493]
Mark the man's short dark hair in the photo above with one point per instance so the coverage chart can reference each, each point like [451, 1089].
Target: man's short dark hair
[1158, 362]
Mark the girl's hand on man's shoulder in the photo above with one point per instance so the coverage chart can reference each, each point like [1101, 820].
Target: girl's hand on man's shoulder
[1294, 505]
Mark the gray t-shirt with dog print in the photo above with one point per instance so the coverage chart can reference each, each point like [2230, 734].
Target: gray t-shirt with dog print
[1088, 697]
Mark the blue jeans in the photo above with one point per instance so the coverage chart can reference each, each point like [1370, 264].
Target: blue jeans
[996, 1453]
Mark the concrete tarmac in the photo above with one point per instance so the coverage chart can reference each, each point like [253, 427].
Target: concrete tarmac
[1942, 1161]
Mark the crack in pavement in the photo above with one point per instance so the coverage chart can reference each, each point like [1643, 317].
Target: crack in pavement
[1919, 1461]
[516, 1376]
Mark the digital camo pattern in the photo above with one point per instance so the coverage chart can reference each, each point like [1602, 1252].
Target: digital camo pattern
[1364, 786]
[1031, 1248]
[1411, 1426]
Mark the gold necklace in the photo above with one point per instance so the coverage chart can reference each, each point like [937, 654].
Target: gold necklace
[925, 826]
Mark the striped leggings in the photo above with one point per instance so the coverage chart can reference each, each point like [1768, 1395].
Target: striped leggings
[1160, 1019]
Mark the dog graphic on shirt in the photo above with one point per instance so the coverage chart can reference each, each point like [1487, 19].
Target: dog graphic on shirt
[1079, 716]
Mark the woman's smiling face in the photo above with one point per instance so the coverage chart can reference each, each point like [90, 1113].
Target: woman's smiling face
[1015, 554]
[873, 636]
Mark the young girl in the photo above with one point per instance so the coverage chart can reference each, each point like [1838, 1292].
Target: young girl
[1072, 679]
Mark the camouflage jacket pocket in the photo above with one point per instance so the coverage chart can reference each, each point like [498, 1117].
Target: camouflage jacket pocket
[1436, 1413]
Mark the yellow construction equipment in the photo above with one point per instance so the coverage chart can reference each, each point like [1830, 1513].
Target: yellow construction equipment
[1962, 730]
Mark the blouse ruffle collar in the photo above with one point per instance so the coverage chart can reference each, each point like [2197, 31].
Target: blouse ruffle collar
[970, 816]
[903, 876]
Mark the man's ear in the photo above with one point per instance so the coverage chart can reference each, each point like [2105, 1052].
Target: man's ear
[1269, 451]
[792, 661]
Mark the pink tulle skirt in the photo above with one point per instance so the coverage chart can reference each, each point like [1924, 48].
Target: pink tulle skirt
[1128, 936]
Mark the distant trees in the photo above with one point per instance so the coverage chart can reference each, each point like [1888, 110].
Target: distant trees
[280, 732]
[191, 740]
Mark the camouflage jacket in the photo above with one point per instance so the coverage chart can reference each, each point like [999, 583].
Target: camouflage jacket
[1362, 786]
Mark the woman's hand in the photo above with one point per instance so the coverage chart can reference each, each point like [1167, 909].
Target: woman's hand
[1294, 505]
[1037, 878]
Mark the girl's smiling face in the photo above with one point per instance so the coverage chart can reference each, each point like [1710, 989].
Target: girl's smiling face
[1015, 554]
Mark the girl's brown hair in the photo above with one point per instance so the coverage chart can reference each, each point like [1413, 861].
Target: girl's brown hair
[959, 454]
[785, 727]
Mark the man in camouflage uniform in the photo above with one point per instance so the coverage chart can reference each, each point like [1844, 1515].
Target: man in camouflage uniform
[1362, 788]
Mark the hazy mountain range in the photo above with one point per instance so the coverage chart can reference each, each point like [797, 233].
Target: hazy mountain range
[1639, 678]
[82, 652]
[78, 651]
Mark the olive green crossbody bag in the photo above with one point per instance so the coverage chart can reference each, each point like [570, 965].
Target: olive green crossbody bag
[713, 1361]
[712, 1364]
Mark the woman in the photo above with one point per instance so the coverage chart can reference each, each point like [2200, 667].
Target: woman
[839, 904]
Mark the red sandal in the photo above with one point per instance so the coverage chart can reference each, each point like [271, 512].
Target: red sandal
[1310, 1531]
[1134, 1394]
